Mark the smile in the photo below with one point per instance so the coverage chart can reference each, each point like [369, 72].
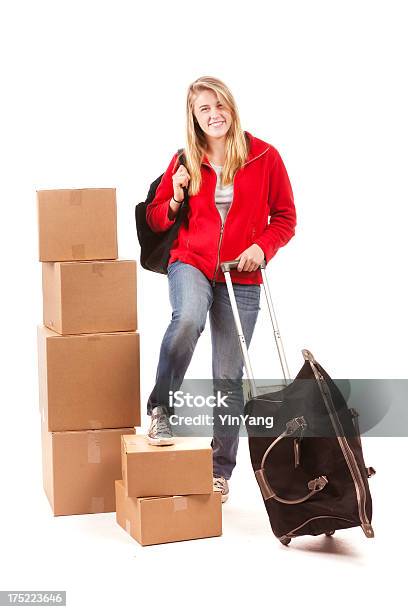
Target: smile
[217, 123]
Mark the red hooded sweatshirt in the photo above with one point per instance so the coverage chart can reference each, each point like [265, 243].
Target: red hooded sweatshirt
[262, 212]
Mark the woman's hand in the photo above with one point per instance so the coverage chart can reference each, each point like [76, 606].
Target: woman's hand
[180, 180]
[250, 259]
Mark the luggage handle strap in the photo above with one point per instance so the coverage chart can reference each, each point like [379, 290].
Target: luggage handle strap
[314, 486]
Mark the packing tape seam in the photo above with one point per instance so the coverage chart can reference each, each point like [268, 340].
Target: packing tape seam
[179, 503]
[94, 449]
[97, 504]
[93, 424]
[75, 197]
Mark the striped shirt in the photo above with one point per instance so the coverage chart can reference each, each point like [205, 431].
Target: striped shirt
[223, 194]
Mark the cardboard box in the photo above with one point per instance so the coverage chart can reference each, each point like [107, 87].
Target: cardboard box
[80, 469]
[77, 224]
[85, 297]
[88, 381]
[156, 520]
[183, 468]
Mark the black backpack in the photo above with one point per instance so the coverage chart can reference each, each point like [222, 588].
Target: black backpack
[155, 246]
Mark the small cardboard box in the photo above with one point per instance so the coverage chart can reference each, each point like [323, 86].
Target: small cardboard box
[77, 224]
[88, 381]
[156, 520]
[85, 297]
[183, 468]
[80, 469]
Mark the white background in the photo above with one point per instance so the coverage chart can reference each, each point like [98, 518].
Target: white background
[93, 95]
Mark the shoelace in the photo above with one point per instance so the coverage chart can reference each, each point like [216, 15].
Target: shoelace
[162, 426]
[219, 483]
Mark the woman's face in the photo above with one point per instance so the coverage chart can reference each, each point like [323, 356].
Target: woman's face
[212, 115]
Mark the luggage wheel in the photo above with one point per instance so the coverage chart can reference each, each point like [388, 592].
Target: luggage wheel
[330, 533]
[285, 540]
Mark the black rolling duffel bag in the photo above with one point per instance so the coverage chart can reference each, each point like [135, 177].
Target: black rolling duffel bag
[309, 466]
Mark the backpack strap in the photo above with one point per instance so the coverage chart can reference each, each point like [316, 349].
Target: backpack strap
[181, 157]
[182, 161]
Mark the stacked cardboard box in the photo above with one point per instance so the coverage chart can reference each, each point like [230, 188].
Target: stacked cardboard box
[166, 492]
[88, 349]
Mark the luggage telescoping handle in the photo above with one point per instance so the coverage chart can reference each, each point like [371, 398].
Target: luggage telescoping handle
[226, 266]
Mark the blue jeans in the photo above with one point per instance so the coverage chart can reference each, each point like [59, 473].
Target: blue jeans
[192, 296]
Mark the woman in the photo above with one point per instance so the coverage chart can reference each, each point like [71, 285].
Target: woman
[235, 182]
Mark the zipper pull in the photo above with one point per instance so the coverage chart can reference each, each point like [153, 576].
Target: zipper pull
[296, 446]
[296, 449]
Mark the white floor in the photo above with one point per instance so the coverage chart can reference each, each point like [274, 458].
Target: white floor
[100, 566]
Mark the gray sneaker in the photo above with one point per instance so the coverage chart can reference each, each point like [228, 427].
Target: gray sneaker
[221, 484]
[160, 433]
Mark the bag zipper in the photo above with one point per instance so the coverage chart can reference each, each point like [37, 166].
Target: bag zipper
[347, 453]
[219, 247]
[222, 223]
[292, 534]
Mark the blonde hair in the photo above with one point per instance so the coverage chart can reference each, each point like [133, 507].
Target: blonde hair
[236, 143]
